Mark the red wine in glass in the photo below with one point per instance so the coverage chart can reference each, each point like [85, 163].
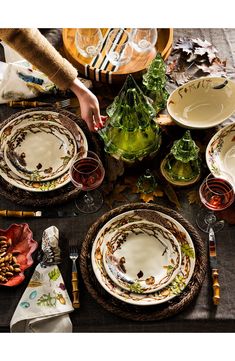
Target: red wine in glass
[87, 173]
[217, 194]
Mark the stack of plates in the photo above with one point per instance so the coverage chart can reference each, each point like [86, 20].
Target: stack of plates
[37, 148]
[143, 257]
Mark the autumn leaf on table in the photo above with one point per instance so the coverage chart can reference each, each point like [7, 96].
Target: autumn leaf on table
[205, 48]
[164, 120]
[217, 68]
[193, 197]
[116, 195]
[171, 194]
[148, 197]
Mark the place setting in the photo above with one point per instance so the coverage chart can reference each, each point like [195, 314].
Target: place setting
[37, 149]
[143, 256]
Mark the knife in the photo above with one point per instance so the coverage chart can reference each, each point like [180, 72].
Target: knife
[214, 267]
[45, 214]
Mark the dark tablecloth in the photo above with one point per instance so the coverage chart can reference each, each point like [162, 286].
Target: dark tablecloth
[201, 315]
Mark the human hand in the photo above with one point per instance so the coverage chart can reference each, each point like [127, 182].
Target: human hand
[90, 110]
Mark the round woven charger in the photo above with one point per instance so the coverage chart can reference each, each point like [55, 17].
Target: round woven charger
[58, 196]
[143, 313]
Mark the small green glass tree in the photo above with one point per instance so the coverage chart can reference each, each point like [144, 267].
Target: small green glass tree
[182, 164]
[130, 133]
[154, 82]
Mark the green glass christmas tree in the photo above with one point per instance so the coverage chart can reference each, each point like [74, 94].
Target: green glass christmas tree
[154, 82]
[130, 133]
[182, 165]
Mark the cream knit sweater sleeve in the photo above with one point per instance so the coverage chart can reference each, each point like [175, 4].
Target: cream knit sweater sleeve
[35, 48]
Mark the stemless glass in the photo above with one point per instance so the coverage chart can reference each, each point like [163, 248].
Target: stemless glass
[143, 39]
[217, 194]
[87, 174]
[88, 41]
[118, 49]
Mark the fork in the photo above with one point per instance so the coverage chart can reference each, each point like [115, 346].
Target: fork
[73, 255]
[73, 102]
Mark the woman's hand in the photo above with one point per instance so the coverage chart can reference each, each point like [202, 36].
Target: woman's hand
[90, 110]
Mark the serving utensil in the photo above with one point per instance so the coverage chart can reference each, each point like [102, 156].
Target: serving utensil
[75, 291]
[44, 213]
[214, 267]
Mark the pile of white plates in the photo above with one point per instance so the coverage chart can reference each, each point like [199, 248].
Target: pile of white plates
[37, 148]
[143, 257]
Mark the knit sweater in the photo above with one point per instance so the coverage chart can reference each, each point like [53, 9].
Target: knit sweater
[36, 49]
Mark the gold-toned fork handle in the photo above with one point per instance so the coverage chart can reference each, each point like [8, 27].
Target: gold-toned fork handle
[216, 286]
[7, 213]
[75, 290]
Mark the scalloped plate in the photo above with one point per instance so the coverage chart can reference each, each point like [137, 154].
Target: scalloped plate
[24, 245]
[145, 299]
[142, 257]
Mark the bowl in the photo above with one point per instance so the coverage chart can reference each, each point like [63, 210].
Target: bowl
[17, 243]
[220, 153]
[202, 103]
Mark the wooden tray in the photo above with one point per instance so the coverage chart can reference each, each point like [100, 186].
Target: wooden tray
[96, 69]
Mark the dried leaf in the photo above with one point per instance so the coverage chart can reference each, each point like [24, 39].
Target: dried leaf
[171, 194]
[148, 197]
[217, 68]
[116, 195]
[185, 45]
[164, 119]
[205, 48]
[193, 197]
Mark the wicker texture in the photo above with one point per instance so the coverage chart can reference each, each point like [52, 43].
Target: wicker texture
[140, 313]
[58, 196]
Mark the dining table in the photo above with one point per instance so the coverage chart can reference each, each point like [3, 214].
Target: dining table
[200, 314]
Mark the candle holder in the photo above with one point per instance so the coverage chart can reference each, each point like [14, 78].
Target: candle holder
[181, 166]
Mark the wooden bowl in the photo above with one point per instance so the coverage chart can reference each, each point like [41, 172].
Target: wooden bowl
[100, 70]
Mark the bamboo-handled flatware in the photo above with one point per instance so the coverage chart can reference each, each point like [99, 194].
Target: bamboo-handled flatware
[75, 290]
[214, 267]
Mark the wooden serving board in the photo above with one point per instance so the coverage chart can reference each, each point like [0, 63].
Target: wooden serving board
[100, 69]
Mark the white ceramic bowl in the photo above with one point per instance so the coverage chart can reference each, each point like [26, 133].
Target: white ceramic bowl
[202, 103]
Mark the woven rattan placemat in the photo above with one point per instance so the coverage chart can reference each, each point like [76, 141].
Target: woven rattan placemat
[143, 313]
[58, 196]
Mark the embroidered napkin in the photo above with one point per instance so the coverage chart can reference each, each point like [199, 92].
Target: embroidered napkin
[45, 304]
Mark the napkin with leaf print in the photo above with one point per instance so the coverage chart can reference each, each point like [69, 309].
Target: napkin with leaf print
[45, 305]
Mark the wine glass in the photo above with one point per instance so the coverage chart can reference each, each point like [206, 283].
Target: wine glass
[118, 49]
[88, 41]
[217, 194]
[143, 39]
[87, 174]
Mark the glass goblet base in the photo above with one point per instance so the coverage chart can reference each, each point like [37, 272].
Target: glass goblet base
[91, 202]
[206, 219]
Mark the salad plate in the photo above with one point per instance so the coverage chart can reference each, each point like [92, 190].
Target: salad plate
[220, 153]
[142, 257]
[174, 288]
[38, 116]
[40, 151]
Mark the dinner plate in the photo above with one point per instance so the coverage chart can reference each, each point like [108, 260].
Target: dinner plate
[35, 116]
[172, 289]
[220, 153]
[142, 257]
[40, 151]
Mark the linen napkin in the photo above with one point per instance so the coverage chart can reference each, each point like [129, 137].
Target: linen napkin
[20, 81]
[45, 304]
